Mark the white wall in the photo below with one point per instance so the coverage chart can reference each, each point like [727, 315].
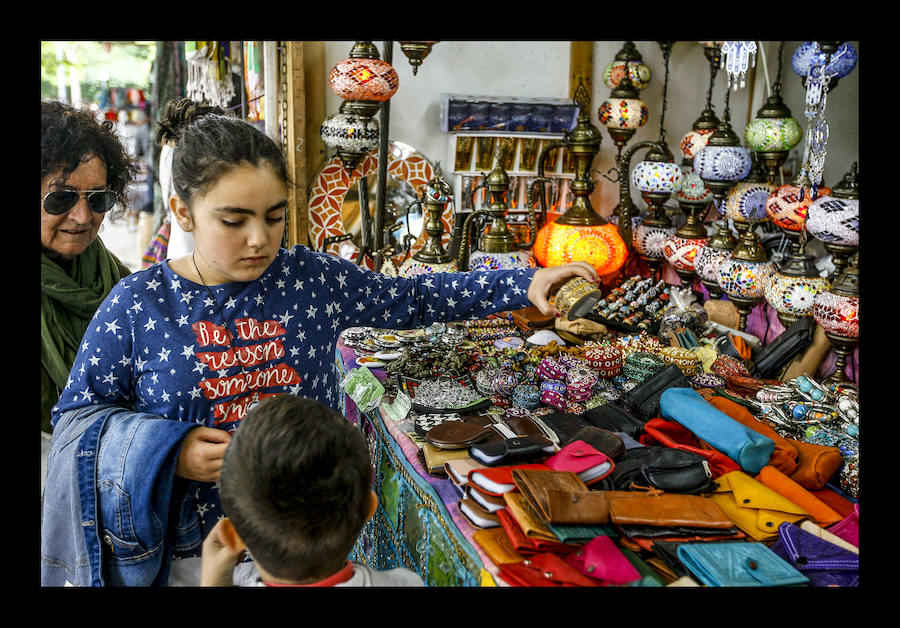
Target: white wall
[541, 69]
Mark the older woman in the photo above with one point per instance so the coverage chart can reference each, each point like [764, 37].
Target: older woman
[84, 172]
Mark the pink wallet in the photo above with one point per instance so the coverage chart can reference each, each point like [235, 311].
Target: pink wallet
[583, 460]
[601, 559]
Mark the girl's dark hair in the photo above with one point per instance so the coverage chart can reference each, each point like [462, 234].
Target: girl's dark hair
[70, 137]
[296, 484]
[210, 143]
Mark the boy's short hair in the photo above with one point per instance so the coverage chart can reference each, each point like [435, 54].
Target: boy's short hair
[295, 483]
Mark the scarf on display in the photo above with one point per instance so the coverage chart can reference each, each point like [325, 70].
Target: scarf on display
[68, 302]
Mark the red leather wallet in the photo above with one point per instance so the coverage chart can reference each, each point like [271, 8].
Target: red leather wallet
[582, 459]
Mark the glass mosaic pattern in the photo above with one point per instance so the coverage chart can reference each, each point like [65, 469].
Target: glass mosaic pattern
[349, 132]
[694, 141]
[772, 134]
[623, 113]
[808, 53]
[638, 72]
[479, 260]
[834, 220]
[649, 240]
[787, 209]
[601, 246]
[692, 188]
[794, 295]
[743, 279]
[707, 262]
[364, 79]
[656, 176]
[837, 314]
[413, 267]
[682, 253]
[746, 202]
[723, 163]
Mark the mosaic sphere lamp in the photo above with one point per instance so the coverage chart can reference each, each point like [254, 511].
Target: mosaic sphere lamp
[723, 161]
[836, 310]
[657, 177]
[833, 218]
[364, 80]
[627, 62]
[432, 257]
[683, 246]
[793, 287]
[711, 255]
[743, 277]
[623, 113]
[497, 248]
[580, 234]
[842, 60]
[745, 203]
[351, 136]
[416, 51]
[788, 205]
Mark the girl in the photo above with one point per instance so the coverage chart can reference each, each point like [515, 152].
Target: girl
[197, 340]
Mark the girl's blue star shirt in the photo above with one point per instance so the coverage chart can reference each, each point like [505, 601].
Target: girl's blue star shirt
[158, 343]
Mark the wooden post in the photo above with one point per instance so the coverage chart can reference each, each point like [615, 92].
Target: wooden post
[581, 66]
[298, 206]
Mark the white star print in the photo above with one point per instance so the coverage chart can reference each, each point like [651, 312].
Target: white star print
[311, 312]
[152, 284]
[113, 327]
[187, 351]
[151, 324]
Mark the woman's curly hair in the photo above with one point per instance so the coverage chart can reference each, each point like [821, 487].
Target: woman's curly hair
[70, 137]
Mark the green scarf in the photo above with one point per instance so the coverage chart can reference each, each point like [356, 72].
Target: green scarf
[68, 303]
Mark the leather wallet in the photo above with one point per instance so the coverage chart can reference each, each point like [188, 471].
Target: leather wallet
[669, 509]
[580, 458]
[755, 508]
[460, 434]
[666, 433]
[771, 360]
[824, 563]
[643, 400]
[508, 451]
[615, 417]
[738, 564]
[829, 536]
[748, 448]
[560, 497]
[491, 503]
[498, 480]
[478, 516]
[664, 468]
[819, 512]
[526, 545]
[435, 458]
[496, 545]
[602, 440]
[848, 527]
[544, 570]
[527, 517]
[565, 424]
[458, 470]
[531, 318]
[601, 560]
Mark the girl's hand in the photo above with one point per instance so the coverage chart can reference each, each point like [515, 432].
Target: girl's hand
[547, 281]
[202, 454]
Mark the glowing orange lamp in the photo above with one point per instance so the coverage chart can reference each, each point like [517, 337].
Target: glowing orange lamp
[580, 234]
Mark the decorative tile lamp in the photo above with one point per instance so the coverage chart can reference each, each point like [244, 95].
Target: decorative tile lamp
[787, 206]
[843, 58]
[723, 161]
[837, 311]
[744, 275]
[580, 233]
[364, 80]
[793, 286]
[623, 113]
[498, 249]
[628, 61]
[745, 203]
[351, 136]
[416, 51]
[682, 247]
[833, 218]
[712, 253]
[773, 132]
[432, 257]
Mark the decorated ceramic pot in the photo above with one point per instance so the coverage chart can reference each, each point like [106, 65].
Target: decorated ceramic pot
[834, 220]
[723, 163]
[656, 176]
[746, 202]
[623, 113]
[772, 134]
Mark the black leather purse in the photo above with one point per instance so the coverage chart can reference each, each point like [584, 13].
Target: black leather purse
[769, 363]
[643, 400]
[664, 468]
[614, 417]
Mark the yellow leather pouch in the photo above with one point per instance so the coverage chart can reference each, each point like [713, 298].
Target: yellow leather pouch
[755, 508]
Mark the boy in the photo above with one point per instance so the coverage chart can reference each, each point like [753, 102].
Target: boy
[296, 489]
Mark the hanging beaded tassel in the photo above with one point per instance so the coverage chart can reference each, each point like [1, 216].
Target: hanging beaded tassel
[737, 58]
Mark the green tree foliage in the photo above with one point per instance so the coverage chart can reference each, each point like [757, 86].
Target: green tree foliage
[126, 63]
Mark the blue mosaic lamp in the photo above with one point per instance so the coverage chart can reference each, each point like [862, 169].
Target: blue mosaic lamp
[812, 53]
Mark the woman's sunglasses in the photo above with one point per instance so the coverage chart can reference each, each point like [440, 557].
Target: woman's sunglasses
[61, 201]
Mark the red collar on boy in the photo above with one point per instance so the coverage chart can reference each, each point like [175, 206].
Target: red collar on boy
[341, 576]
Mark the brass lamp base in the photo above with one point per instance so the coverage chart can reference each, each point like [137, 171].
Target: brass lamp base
[744, 308]
[715, 291]
[842, 347]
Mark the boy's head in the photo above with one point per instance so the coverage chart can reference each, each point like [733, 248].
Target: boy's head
[296, 485]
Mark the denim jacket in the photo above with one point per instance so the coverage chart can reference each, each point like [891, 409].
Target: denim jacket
[110, 497]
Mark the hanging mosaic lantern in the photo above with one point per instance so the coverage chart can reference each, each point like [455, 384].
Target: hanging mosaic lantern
[746, 202]
[628, 62]
[792, 288]
[833, 219]
[744, 276]
[363, 79]
[623, 113]
[350, 135]
[772, 134]
[809, 54]
[710, 257]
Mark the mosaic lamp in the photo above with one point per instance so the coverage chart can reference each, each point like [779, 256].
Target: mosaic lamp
[706, 124]
[836, 310]
[627, 62]
[657, 177]
[793, 286]
[351, 136]
[723, 161]
[773, 132]
[682, 247]
[432, 257]
[712, 253]
[580, 234]
[833, 218]
[787, 206]
[623, 113]
[416, 51]
[745, 203]
[842, 60]
[743, 277]
[497, 249]
[364, 80]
